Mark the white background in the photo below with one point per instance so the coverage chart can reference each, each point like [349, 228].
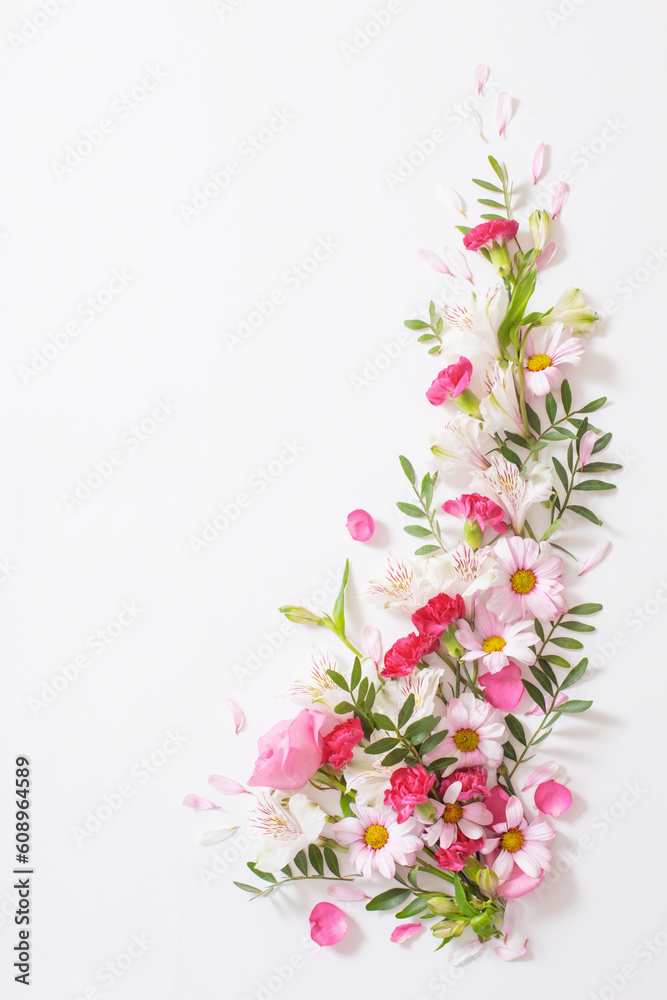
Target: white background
[327, 176]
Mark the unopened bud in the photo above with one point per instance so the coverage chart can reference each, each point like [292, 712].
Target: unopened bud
[448, 928]
[442, 905]
[540, 222]
[488, 882]
[450, 643]
[302, 616]
[473, 534]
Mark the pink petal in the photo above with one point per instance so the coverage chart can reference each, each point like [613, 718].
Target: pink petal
[197, 802]
[226, 785]
[509, 954]
[481, 76]
[457, 264]
[237, 714]
[538, 162]
[586, 446]
[553, 798]
[558, 198]
[503, 112]
[372, 643]
[542, 773]
[504, 689]
[328, 924]
[595, 558]
[404, 932]
[361, 525]
[432, 259]
[346, 893]
[545, 257]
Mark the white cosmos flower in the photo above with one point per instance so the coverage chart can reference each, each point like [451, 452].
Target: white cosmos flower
[499, 406]
[463, 439]
[286, 828]
[503, 483]
[400, 587]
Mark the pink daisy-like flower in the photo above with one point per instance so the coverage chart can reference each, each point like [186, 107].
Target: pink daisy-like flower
[475, 733]
[528, 581]
[547, 349]
[454, 815]
[519, 843]
[377, 841]
[495, 642]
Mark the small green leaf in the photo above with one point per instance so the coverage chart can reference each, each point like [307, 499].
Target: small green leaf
[585, 512]
[417, 531]
[574, 707]
[542, 737]
[595, 405]
[301, 863]
[516, 729]
[601, 443]
[406, 465]
[585, 609]
[533, 419]
[431, 742]
[488, 187]
[384, 745]
[601, 467]
[338, 613]
[565, 642]
[441, 764]
[395, 757]
[539, 629]
[490, 203]
[346, 805]
[575, 674]
[461, 899]
[566, 395]
[558, 661]
[551, 529]
[509, 750]
[356, 674]
[316, 859]
[332, 861]
[594, 484]
[562, 474]
[510, 455]
[247, 888]
[389, 900]
[551, 405]
[383, 722]
[425, 550]
[343, 707]
[338, 679]
[578, 626]
[498, 170]
[407, 710]
[542, 678]
[412, 909]
[410, 509]
[416, 324]
[535, 694]
[266, 876]
[420, 729]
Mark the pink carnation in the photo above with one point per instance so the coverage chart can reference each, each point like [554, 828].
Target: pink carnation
[475, 507]
[450, 382]
[473, 783]
[409, 787]
[494, 231]
[453, 858]
[341, 741]
[405, 654]
[436, 616]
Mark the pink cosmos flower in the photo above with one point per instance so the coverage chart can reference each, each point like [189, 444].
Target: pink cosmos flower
[450, 382]
[339, 744]
[409, 788]
[456, 816]
[475, 507]
[519, 844]
[361, 525]
[437, 615]
[547, 350]
[453, 858]
[291, 752]
[528, 581]
[495, 642]
[377, 841]
[472, 781]
[503, 689]
[474, 730]
[328, 924]
[494, 231]
[405, 654]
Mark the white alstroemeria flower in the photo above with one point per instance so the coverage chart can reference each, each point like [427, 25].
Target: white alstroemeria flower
[473, 322]
[424, 684]
[317, 687]
[503, 483]
[463, 570]
[400, 587]
[464, 440]
[499, 406]
[286, 827]
[572, 311]
[365, 775]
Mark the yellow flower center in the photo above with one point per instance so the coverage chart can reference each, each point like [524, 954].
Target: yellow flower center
[512, 841]
[494, 644]
[523, 581]
[452, 813]
[376, 836]
[466, 740]
[539, 362]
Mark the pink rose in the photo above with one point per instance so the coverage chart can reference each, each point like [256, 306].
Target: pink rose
[405, 654]
[450, 382]
[290, 753]
[453, 858]
[473, 783]
[409, 787]
[436, 616]
[341, 741]
[494, 231]
[475, 507]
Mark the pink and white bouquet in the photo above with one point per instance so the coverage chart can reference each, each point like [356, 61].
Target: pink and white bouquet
[409, 780]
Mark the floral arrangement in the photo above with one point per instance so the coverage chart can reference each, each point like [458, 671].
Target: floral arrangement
[413, 771]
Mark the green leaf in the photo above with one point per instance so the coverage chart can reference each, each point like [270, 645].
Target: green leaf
[566, 395]
[247, 888]
[301, 863]
[542, 678]
[575, 674]
[346, 805]
[406, 465]
[383, 722]
[565, 642]
[601, 467]
[389, 900]
[417, 530]
[338, 613]
[585, 512]
[395, 757]
[420, 729]
[510, 455]
[535, 694]
[551, 529]
[551, 405]
[509, 750]
[384, 745]
[574, 707]
[562, 474]
[533, 419]
[491, 204]
[516, 729]
[338, 679]
[585, 609]
[410, 509]
[265, 876]
[557, 435]
[577, 626]
[426, 550]
[595, 405]
[517, 439]
[431, 311]
[558, 661]
[461, 899]
[514, 315]
[488, 187]
[539, 629]
[356, 674]
[570, 456]
[416, 324]
[498, 170]
[407, 710]
[426, 336]
[601, 443]
[343, 707]
[441, 764]
[332, 861]
[463, 229]
[412, 909]
[431, 742]
[546, 667]
[594, 484]
[316, 859]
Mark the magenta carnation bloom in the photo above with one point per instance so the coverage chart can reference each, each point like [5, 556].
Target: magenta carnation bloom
[437, 615]
[472, 781]
[453, 858]
[405, 654]
[494, 231]
[475, 507]
[409, 788]
[339, 744]
[450, 382]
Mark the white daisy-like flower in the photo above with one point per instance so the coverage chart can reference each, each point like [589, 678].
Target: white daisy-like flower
[496, 642]
[528, 582]
[286, 827]
[468, 817]
[377, 842]
[547, 350]
[519, 843]
[475, 733]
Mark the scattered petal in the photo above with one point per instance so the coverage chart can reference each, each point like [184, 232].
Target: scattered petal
[504, 689]
[509, 918]
[432, 259]
[462, 952]
[595, 558]
[328, 924]
[542, 773]
[503, 112]
[372, 643]
[558, 198]
[197, 802]
[474, 123]
[545, 257]
[226, 785]
[586, 446]
[457, 264]
[346, 893]
[404, 932]
[237, 714]
[481, 76]
[553, 798]
[509, 954]
[211, 837]
[538, 162]
[361, 525]
[452, 198]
